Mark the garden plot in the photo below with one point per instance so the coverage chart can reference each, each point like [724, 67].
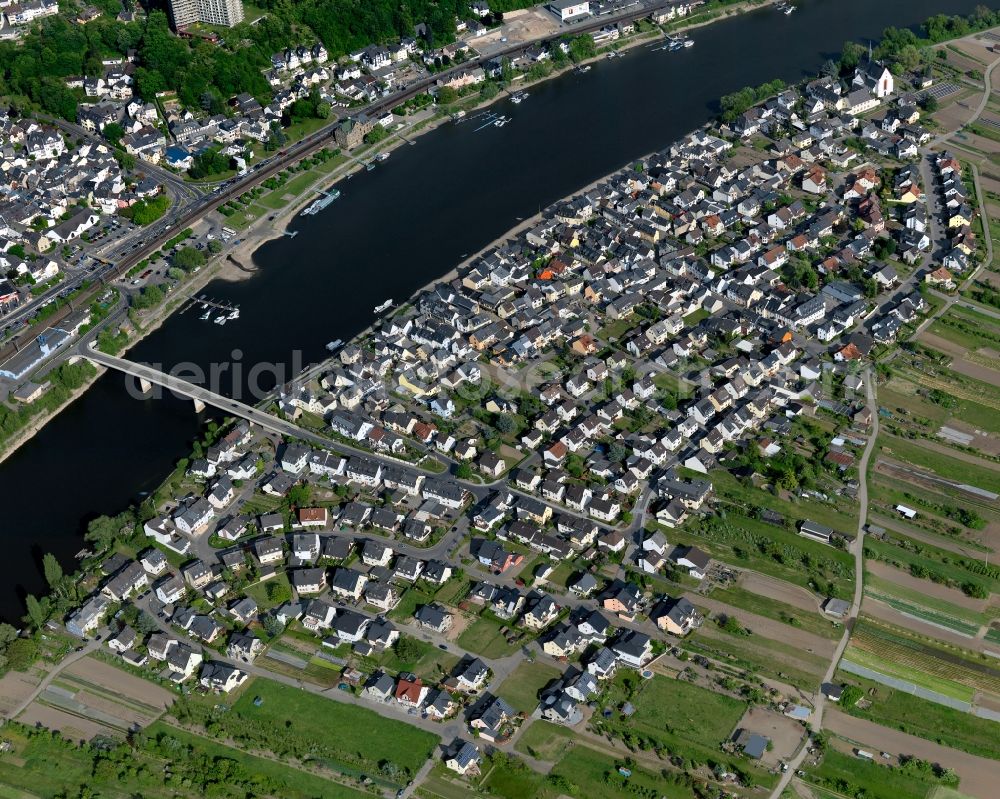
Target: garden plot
[908, 658]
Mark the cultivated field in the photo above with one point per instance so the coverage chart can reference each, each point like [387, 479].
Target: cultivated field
[979, 776]
[912, 658]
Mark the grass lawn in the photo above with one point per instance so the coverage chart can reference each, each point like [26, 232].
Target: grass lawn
[916, 716]
[261, 503]
[781, 611]
[928, 374]
[884, 493]
[545, 741]
[528, 568]
[944, 465]
[350, 735]
[914, 606]
[453, 591]
[765, 656]
[841, 515]
[483, 637]
[848, 775]
[316, 675]
[947, 565]
[423, 593]
[686, 711]
[258, 591]
[299, 183]
[585, 769]
[684, 719]
[901, 395]
[294, 783]
[441, 784]
[925, 660]
[431, 664]
[967, 328]
[672, 384]
[562, 573]
[885, 666]
[50, 766]
[615, 330]
[412, 598]
[695, 317]
[522, 686]
[331, 164]
[771, 550]
[274, 200]
[242, 219]
[513, 781]
[302, 129]
[884, 586]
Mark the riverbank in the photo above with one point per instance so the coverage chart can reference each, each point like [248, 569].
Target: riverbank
[399, 227]
[25, 435]
[238, 263]
[151, 323]
[257, 233]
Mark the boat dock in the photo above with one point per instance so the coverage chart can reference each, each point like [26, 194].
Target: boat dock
[207, 303]
[325, 199]
[226, 311]
[490, 119]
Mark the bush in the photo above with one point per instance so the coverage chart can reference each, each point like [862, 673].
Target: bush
[21, 654]
[188, 258]
[145, 212]
[408, 650]
[376, 134]
[279, 593]
[211, 162]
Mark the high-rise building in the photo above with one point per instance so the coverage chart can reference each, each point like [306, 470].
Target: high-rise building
[224, 13]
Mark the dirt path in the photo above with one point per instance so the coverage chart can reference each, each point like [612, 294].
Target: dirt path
[779, 590]
[958, 354]
[121, 682]
[71, 727]
[770, 628]
[980, 776]
[907, 580]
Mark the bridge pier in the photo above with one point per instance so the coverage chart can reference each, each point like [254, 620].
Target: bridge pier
[145, 385]
[199, 406]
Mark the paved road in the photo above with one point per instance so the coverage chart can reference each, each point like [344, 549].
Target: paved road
[288, 429]
[182, 217]
[859, 569]
[392, 710]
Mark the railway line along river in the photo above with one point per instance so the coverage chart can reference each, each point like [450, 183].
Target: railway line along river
[393, 230]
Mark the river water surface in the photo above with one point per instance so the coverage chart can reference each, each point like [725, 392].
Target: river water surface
[392, 231]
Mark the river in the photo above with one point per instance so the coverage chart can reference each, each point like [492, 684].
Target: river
[392, 231]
